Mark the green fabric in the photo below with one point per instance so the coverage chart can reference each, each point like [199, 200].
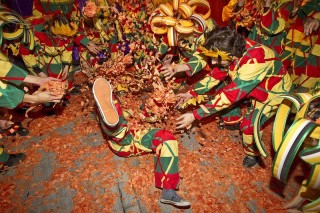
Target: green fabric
[16, 72]
[11, 96]
[165, 162]
[85, 41]
[3, 156]
[146, 140]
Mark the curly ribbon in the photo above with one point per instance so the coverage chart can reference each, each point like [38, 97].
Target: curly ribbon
[179, 18]
[287, 145]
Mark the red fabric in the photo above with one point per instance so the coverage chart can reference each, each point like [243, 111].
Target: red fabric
[170, 180]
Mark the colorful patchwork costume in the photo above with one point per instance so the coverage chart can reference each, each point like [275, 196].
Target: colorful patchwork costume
[126, 142]
[49, 56]
[298, 46]
[11, 91]
[272, 27]
[258, 75]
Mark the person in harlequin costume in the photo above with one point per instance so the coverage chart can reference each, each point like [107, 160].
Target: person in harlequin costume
[12, 79]
[127, 142]
[297, 44]
[52, 54]
[272, 27]
[84, 47]
[256, 73]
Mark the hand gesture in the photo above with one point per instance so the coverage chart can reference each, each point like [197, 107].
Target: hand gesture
[311, 25]
[183, 98]
[185, 120]
[168, 71]
[93, 48]
[44, 97]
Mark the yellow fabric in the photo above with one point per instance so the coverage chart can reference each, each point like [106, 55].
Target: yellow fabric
[5, 67]
[227, 11]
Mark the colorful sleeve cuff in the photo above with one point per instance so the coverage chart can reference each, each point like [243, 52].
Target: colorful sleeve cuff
[193, 93]
[189, 72]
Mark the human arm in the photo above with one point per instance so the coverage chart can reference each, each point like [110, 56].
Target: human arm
[312, 24]
[247, 77]
[42, 97]
[185, 120]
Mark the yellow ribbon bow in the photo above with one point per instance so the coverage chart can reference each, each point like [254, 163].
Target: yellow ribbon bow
[179, 17]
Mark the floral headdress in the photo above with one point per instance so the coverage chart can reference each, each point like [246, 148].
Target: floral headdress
[215, 53]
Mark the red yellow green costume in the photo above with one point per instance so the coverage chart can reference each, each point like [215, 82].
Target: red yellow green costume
[272, 27]
[11, 91]
[49, 54]
[126, 142]
[257, 75]
[298, 45]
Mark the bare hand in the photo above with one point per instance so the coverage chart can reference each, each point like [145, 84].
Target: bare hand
[64, 74]
[183, 98]
[185, 120]
[311, 25]
[168, 71]
[44, 97]
[167, 59]
[92, 47]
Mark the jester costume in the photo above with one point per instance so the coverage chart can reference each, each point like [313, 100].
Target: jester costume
[49, 55]
[298, 45]
[72, 10]
[272, 27]
[12, 76]
[126, 142]
[258, 75]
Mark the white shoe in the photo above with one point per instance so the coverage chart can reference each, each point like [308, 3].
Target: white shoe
[102, 92]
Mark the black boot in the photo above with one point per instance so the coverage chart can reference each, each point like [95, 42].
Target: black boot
[250, 161]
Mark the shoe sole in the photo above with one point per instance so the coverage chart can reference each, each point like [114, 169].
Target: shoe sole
[174, 203]
[102, 93]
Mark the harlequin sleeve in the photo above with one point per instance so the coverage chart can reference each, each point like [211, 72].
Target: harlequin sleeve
[10, 96]
[248, 76]
[196, 63]
[212, 79]
[11, 73]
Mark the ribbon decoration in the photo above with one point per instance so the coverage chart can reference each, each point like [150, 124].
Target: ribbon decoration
[179, 17]
[288, 145]
[23, 29]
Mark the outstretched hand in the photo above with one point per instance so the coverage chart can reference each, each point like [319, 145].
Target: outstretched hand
[183, 98]
[311, 25]
[185, 120]
[168, 71]
[44, 97]
[93, 48]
